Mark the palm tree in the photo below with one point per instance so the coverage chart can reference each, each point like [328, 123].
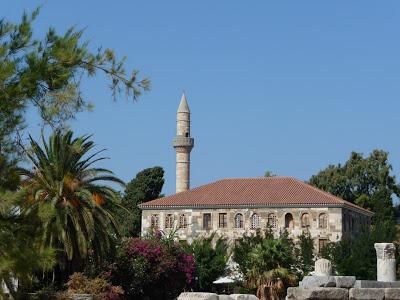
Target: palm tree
[270, 271]
[68, 195]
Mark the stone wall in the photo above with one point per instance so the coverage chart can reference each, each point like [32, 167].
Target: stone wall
[331, 232]
[335, 293]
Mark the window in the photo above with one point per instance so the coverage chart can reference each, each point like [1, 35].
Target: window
[271, 221]
[322, 244]
[323, 220]
[183, 221]
[187, 134]
[223, 220]
[289, 223]
[305, 220]
[255, 221]
[239, 221]
[169, 221]
[207, 221]
[154, 221]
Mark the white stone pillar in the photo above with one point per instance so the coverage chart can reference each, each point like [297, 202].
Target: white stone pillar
[323, 267]
[386, 261]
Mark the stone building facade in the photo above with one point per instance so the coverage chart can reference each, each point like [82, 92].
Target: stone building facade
[233, 207]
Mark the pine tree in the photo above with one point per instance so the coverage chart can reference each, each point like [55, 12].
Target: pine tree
[45, 74]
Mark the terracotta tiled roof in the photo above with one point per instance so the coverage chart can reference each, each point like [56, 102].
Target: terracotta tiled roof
[263, 191]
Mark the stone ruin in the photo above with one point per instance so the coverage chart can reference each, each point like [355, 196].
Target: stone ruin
[212, 296]
[323, 285]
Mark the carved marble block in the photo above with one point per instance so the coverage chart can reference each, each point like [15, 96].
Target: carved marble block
[323, 267]
[386, 261]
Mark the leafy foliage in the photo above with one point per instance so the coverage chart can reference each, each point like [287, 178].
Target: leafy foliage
[9, 175]
[366, 182]
[243, 247]
[63, 188]
[46, 74]
[356, 256]
[268, 173]
[21, 251]
[304, 253]
[269, 264]
[211, 261]
[152, 268]
[146, 186]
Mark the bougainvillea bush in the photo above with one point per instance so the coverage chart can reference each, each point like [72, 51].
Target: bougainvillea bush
[152, 268]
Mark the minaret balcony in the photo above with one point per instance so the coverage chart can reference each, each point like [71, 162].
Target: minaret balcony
[182, 141]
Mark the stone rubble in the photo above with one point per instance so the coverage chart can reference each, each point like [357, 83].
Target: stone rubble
[299, 293]
[211, 296]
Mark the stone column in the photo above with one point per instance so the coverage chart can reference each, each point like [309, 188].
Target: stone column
[386, 262]
[323, 267]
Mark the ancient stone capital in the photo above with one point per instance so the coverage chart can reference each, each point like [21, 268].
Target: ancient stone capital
[386, 261]
[323, 267]
[385, 250]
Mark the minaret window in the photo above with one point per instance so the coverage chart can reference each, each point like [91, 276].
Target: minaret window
[239, 221]
[187, 134]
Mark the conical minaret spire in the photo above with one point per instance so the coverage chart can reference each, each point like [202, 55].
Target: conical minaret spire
[184, 106]
[183, 145]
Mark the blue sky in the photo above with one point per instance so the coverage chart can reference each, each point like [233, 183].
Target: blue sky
[288, 86]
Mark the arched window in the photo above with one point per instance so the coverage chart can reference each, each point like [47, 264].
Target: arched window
[305, 220]
[183, 221]
[323, 220]
[154, 221]
[289, 223]
[271, 221]
[239, 221]
[255, 221]
[169, 221]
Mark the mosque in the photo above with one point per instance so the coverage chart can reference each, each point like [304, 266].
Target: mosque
[235, 206]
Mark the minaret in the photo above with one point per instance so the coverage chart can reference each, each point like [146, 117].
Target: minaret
[183, 144]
